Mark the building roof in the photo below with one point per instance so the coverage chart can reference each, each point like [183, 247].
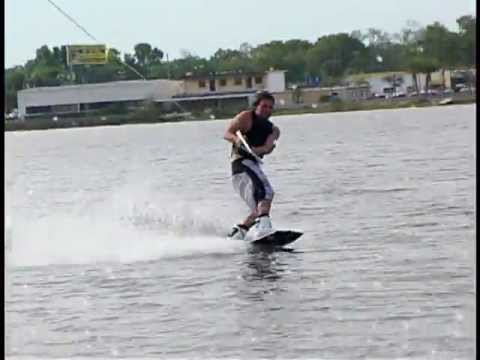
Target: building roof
[224, 74]
[102, 92]
[219, 75]
[103, 85]
[208, 96]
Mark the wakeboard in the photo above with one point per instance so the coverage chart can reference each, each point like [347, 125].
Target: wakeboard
[278, 239]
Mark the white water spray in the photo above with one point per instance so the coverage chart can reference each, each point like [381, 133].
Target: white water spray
[129, 227]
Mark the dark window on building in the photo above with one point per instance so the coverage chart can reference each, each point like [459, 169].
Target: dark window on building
[132, 104]
[258, 80]
[201, 83]
[238, 81]
[100, 105]
[66, 108]
[211, 85]
[223, 82]
[38, 109]
[249, 82]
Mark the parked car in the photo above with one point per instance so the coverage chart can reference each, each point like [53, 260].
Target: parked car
[12, 116]
[429, 92]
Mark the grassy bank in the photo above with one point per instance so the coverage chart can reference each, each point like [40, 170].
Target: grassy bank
[90, 121]
[149, 115]
[373, 105]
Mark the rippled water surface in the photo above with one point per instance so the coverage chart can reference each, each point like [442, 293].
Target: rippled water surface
[118, 249]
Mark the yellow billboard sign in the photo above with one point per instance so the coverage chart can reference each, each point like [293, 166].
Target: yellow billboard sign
[86, 54]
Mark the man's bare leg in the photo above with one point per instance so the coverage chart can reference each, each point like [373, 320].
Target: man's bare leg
[250, 220]
[263, 208]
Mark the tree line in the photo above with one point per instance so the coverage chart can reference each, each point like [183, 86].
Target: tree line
[324, 62]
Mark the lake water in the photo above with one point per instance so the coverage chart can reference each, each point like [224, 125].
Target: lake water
[117, 245]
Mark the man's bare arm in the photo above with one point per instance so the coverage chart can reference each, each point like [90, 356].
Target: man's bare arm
[240, 122]
[269, 145]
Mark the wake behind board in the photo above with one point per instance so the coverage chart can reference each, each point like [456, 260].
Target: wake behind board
[278, 239]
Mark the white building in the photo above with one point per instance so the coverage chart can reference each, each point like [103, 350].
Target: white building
[274, 81]
[382, 83]
[196, 90]
[385, 83]
[77, 98]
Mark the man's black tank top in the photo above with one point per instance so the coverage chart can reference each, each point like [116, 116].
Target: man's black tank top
[258, 133]
[256, 136]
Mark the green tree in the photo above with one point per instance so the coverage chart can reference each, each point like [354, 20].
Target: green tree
[128, 73]
[295, 59]
[14, 81]
[113, 56]
[440, 43]
[269, 55]
[145, 55]
[156, 56]
[467, 35]
[189, 63]
[332, 55]
[44, 75]
[384, 52]
[230, 60]
[142, 53]
[425, 65]
[47, 69]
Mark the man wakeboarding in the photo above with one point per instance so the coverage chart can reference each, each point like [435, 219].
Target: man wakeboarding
[248, 178]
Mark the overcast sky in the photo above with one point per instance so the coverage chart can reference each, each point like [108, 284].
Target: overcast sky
[203, 26]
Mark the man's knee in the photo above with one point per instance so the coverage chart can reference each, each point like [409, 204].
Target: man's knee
[264, 205]
[269, 192]
[266, 201]
[269, 197]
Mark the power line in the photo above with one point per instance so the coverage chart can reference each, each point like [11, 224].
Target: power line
[90, 35]
[73, 20]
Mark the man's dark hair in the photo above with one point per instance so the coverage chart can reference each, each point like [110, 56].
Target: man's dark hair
[263, 95]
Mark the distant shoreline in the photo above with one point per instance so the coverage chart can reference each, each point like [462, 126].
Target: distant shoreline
[337, 106]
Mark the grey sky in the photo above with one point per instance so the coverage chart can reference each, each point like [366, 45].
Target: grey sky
[203, 26]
